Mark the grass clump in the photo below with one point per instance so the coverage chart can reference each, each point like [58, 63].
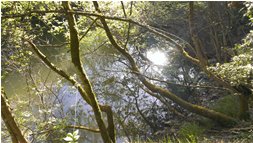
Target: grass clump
[190, 132]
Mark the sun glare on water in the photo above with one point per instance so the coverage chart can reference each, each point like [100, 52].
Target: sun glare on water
[157, 57]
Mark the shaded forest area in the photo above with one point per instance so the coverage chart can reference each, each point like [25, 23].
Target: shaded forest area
[143, 72]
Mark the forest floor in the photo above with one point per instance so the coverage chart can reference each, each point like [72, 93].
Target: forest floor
[241, 133]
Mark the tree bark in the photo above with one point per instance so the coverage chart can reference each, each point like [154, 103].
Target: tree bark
[15, 132]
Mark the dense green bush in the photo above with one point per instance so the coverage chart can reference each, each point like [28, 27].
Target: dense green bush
[228, 105]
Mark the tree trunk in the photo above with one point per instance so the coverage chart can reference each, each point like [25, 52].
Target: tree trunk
[108, 134]
[15, 132]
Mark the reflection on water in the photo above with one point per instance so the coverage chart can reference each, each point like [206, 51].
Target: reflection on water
[157, 57]
[16, 87]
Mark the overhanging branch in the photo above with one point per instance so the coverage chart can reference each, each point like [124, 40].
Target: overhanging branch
[168, 36]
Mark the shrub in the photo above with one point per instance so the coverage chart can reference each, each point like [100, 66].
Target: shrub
[228, 105]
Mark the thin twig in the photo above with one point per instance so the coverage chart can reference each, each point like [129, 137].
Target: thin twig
[86, 32]
[123, 8]
[84, 128]
[55, 45]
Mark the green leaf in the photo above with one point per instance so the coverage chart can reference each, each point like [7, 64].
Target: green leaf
[76, 133]
[68, 139]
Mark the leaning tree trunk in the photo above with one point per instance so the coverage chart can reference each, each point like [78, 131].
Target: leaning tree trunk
[222, 118]
[15, 132]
